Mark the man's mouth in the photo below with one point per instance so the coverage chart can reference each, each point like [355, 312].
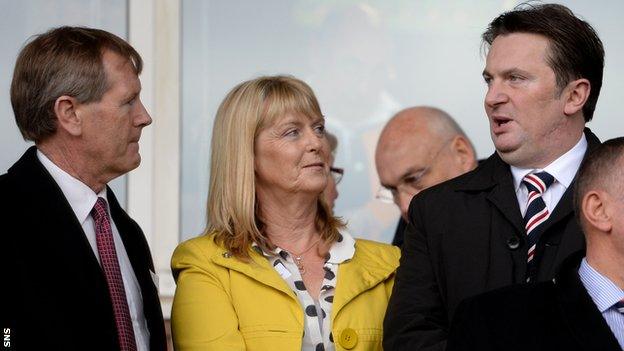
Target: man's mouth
[499, 121]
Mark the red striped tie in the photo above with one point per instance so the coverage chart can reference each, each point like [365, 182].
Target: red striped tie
[536, 214]
[110, 265]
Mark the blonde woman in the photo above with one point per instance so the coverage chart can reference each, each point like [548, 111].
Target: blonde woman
[275, 270]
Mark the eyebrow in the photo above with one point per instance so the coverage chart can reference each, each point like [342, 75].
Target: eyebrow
[507, 72]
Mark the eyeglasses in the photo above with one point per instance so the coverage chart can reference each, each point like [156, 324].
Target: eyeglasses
[336, 173]
[411, 184]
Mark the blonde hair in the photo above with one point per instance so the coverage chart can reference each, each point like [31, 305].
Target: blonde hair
[232, 208]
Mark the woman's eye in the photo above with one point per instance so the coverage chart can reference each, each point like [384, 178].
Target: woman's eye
[320, 129]
[292, 132]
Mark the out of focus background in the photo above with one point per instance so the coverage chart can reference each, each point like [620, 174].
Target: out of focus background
[364, 59]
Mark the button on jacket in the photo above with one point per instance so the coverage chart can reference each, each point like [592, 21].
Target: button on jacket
[223, 303]
[466, 237]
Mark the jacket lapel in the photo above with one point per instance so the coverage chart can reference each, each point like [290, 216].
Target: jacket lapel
[141, 260]
[579, 311]
[259, 269]
[357, 275]
[493, 179]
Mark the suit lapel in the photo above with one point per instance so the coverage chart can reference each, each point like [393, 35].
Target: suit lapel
[503, 196]
[579, 312]
[138, 252]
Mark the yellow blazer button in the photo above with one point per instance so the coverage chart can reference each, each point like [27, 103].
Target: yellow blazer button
[348, 338]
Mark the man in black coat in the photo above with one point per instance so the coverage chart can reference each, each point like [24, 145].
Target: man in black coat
[77, 271]
[583, 307]
[469, 235]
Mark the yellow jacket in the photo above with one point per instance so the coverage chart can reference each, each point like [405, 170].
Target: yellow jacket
[222, 303]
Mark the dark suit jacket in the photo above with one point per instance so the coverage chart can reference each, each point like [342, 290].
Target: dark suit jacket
[53, 291]
[551, 315]
[466, 236]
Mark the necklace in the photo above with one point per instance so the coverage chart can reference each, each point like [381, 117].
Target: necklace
[298, 257]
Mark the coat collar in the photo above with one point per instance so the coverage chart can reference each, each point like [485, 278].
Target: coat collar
[365, 270]
[494, 176]
[258, 269]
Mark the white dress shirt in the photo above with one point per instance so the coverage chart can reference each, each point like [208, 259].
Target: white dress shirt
[82, 199]
[562, 169]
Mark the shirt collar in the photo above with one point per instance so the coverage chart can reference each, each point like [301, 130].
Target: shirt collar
[80, 197]
[603, 291]
[562, 169]
[341, 250]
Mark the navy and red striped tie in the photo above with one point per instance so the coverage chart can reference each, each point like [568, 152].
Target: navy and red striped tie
[536, 214]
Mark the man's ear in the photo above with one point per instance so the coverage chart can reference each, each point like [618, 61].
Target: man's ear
[595, 210]
[577, 93]
[463, 153]
[65, 109]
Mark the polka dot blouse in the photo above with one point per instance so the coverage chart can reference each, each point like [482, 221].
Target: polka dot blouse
[317, 329]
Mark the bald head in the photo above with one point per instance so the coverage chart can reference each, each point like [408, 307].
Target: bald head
[420, 147]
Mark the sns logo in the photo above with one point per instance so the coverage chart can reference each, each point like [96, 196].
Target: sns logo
[6, 341]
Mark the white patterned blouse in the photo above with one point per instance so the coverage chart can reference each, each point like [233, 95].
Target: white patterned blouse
[317, 330]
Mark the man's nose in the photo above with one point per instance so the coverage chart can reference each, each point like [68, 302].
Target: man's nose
[403, 201]
[142, 118]
[495, 95]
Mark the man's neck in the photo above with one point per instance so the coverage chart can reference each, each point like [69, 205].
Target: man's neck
[69, 160]
[607, 262]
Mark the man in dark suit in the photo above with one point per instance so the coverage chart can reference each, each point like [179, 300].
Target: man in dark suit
[419, 147]
[77, 271]
[510, 220]
[583, 307]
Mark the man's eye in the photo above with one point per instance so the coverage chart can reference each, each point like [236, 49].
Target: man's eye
[412, 180]
[515, 78]
[487, 80]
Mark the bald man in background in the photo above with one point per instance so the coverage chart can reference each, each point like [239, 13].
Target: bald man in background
[419, 147]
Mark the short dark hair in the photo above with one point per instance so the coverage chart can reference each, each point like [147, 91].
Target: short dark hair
[599, 170]
[62, 61]
[576, 51]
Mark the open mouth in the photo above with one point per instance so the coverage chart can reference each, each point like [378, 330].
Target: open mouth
[500, 121]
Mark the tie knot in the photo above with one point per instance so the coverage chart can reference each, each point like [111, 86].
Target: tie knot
[538, 181]
[620, 306]
[99, 210]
